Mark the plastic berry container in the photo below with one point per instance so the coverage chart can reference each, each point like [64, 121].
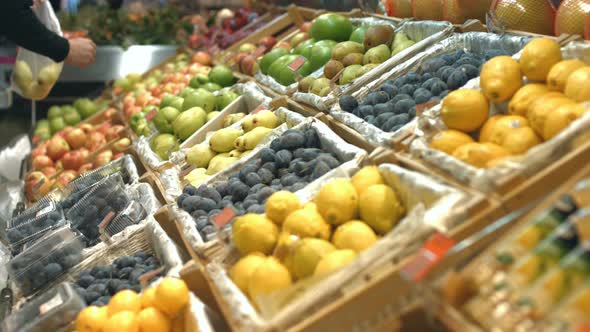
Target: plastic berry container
[53, 310]
[46, 260]
[26, 230]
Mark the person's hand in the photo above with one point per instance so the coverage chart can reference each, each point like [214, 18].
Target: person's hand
[36, 3]
[82, 52]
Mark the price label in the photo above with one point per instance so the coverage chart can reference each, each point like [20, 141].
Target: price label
[44, 210]
[144, 278]
[427, 257]
[223, 217]
[297, 63]
[151, 114]
[52, 303]
[106, 220]
[258, 109]
[36, 139]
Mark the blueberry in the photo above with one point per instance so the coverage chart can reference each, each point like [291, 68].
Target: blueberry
[181, 199]
[276, 143]
[249, 202]
[298, 186]
[239, 192]
[432, 65]
[444, 72]
[444, 93]
[123, 286]
[320, 169]
[412, 78]
[412, 113]
[437, 87]
[209, 229]
[53, 270]
[397, 120]
[275, 182]
[135, 274]
[97, 288]
[90, 297]
[198, 213]
[449, 59]
[202, 222]
[289, 180]
[104, 299]
[379, 109]
[113, 285]
[124, 261]
[253, 179]
[329, 159]
[282, 172]
[370, 119]
[265, 175]
[365, 110]
[283, 158]
[399, 97]
[403, 106]
[470, 70]
[190, 190]
[190, 203]
[293, 140]
[263, 194]
[467, 60]
[382, 118]
[256, 208]
[246, 169]
[494, 52]
[124, 272]
[348, 103]
[267, 155]
[457, 79]
[422, 95]
[426, 76]
[14, 235]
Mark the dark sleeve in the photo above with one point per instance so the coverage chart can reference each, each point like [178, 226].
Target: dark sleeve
[19, 24]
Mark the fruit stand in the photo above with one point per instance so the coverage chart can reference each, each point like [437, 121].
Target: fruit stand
[296, 169]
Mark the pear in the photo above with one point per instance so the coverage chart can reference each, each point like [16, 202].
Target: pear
[23, 77]
[239, 144]
[230, 119]
[264, 118]
[197, 176]
[219, 164]
[249, 140]
[306, 83]
[49, 74]
[352, 59]
[402, 46]
[368, 67]
[223, 139]
[350, 73]
[235, 153]
[342, 49]
[211, 115]
[321, 87]
[200, 155]
[378, 54]
[332, 68]
[378, 35]
[248, 123]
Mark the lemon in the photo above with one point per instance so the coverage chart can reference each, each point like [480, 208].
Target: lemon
[559, 119]
[308, 253]
[448, 140]
[125, 300]
[521, 100]
[153, 320]
[540, 109]
[334, 261]
[280, 204]
[148, 297]
[580, 110]
[380, 208]
[254, 232]
[560, 72]
[480, 154]
[520, 140]
[577, 86]
[504, 125]
[172, 296]
[270, 276]
[355, 235]
[365, 177]
[538, 56]
[464, 109]
[500, 78]
[123, 321]
[307, 222]
[240, 273]
[488, 127]
[178, 323]
[337, 201]
[91, 319]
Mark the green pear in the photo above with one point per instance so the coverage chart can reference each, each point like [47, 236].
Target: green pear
[219, 164]
[23, 77]
[200, 155]
[342, 49]
[350, 73]
[402, 46]
[249, 140]
[320, 87]
[223, 139]
[377, 54]
[230, 119]
[212, 115]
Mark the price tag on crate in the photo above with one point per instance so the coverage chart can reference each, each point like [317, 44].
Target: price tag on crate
[151, 114]
[427, 257]
[144, 278]
[223, 217]
[103, 225]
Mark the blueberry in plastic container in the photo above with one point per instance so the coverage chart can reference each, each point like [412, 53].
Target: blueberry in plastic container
[348, 103]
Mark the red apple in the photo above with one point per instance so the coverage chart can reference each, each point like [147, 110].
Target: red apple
[73, 160]
[305, 27]
[129, 112]
[39, 150]
[37, 185]
[114, 132]
[110, 113]
[65, 177]
[103, 127]
[49, 170]
[268, 42]
[41, 161]
[57, 148]
[76, 138]
[203, 58]
[122, 144]
[95, 140]
[85, 168]
[87, 127]
[103, 158]
[248, 65]
[59, 166]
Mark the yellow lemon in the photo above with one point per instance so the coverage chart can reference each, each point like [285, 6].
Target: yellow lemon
[560, 72]
[448, 140]
[355, 235]
[464, 109]
[148, 297]
[254, 233]
[172, 296]
[178, 323]
[479, 154]
[559, 119]
[538, 56]
[540, 109]
[334, 261]
[365, 177]
[500, 78]
[505, 125]
[280, 204]
[240, 273]
[486, 130]
[577, 86]
[153, 320]
[337, 201]
[521, 100]
[307, 222]
[91, 319]
[125, 300]
[580, 110]
[270, 276]
[380, 208]
[519, 140]
[307, 254]
[122, 321]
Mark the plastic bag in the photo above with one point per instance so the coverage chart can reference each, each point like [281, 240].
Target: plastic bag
[571, 16]
[34, 75]
[525, 15]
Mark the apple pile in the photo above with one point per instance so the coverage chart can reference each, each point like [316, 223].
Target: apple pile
[226, 31]
[70, 152]
[245, 60]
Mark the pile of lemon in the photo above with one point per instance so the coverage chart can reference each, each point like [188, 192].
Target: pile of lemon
[294, 241]
[157, 309]
[537, 111]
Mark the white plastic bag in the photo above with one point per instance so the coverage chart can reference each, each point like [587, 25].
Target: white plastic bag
[34, 75]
